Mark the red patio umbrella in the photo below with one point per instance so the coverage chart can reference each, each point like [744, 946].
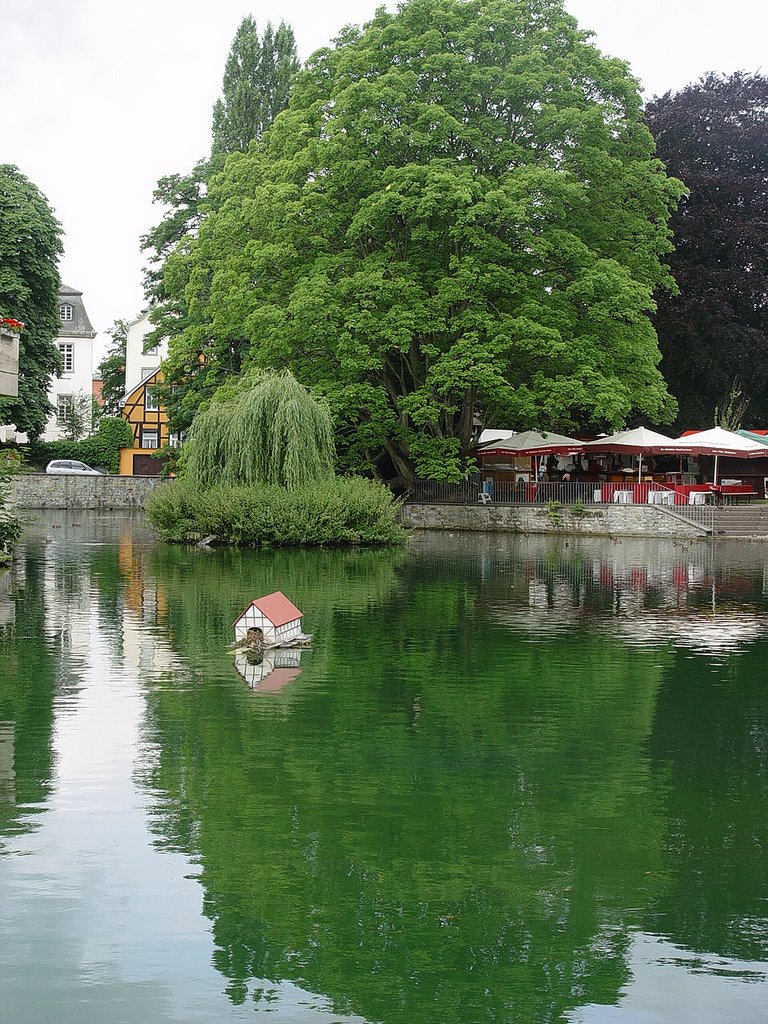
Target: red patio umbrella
[639, 441]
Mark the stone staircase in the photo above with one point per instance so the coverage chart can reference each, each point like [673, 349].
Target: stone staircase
[741, 521]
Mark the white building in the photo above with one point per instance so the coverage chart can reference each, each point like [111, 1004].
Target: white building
[138, 363]
[75, 343]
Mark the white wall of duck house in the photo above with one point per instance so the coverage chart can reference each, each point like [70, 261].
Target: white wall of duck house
[252, 618]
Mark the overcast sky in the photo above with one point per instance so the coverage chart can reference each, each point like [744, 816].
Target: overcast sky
[101, 98]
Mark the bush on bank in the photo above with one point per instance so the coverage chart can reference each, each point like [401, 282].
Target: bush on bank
[334, 511]
[10, 524]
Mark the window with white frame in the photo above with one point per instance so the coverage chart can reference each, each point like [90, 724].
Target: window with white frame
[149, 438]
[151, 403]
[67, 350]
[66, 312]
[147, 370]
[65, 405]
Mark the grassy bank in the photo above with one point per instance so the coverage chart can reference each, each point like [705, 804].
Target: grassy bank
[334, 511]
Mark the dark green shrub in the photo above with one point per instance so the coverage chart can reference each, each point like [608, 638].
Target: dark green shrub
[10, 524]
[341, 510]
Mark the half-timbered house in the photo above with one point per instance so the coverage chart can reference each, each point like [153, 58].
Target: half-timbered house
[149, 423]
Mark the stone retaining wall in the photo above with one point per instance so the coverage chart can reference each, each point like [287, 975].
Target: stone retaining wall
[37, 490]
[607, 521]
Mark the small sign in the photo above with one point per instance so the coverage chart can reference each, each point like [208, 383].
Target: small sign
[9, 363]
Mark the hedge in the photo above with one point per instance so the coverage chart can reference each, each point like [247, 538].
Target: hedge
[100, 449]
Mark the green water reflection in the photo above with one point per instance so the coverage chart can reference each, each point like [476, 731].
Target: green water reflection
[512, 777]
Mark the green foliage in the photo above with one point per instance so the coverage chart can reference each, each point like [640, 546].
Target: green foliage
[555, 512]
[182, 196]
[30, 246]
[730, 414]
[269, 430]
[77, 417]
[258, 77]
[714, 135]
[112, 369]
[100, 449]
[578, 508]
[459, 217]
[10, 524]
[333, 511]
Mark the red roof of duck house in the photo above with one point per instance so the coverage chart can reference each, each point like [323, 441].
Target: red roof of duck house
[276, 607]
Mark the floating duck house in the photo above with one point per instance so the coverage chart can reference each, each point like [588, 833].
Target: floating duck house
[270, 620]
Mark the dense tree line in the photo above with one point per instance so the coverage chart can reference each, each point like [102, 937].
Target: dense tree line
[459, 216]
[714, 330]
[456, 216]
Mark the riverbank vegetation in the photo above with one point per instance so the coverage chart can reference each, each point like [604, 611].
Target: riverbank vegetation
[258, 469]
[10, 524]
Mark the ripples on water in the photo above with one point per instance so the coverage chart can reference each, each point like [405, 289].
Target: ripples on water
[514, 780]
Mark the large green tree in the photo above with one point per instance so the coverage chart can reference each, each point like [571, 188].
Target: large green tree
[258, 78]
[459, 217]
[714, 333]
[30, 246]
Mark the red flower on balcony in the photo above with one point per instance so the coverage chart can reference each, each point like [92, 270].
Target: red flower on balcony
[14, 325]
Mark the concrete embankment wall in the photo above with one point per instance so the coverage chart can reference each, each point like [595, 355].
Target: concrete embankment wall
[607, 521]
[37, 490]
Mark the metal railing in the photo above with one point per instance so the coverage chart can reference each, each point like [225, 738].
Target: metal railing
[537, 493]
[565, 493]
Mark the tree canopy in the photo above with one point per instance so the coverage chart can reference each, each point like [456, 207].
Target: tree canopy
[714, 333]
[30, 245]
[459, 217]
[258, 78]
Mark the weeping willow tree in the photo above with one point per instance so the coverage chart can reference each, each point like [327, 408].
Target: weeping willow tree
[271, 431]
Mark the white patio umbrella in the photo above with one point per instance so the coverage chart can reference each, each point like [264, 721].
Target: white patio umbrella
[529, 441]
[717, 441]
[639, 441]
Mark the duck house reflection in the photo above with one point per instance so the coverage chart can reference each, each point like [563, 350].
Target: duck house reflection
[270, 670]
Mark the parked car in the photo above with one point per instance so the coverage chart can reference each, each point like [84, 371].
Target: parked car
[68, 467]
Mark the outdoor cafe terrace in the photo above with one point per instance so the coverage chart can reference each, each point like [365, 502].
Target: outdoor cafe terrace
[637, 466]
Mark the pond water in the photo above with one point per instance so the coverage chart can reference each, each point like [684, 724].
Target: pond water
[514, 780]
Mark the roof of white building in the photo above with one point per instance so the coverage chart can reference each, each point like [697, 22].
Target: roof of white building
[79, 326]
[275, 607]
